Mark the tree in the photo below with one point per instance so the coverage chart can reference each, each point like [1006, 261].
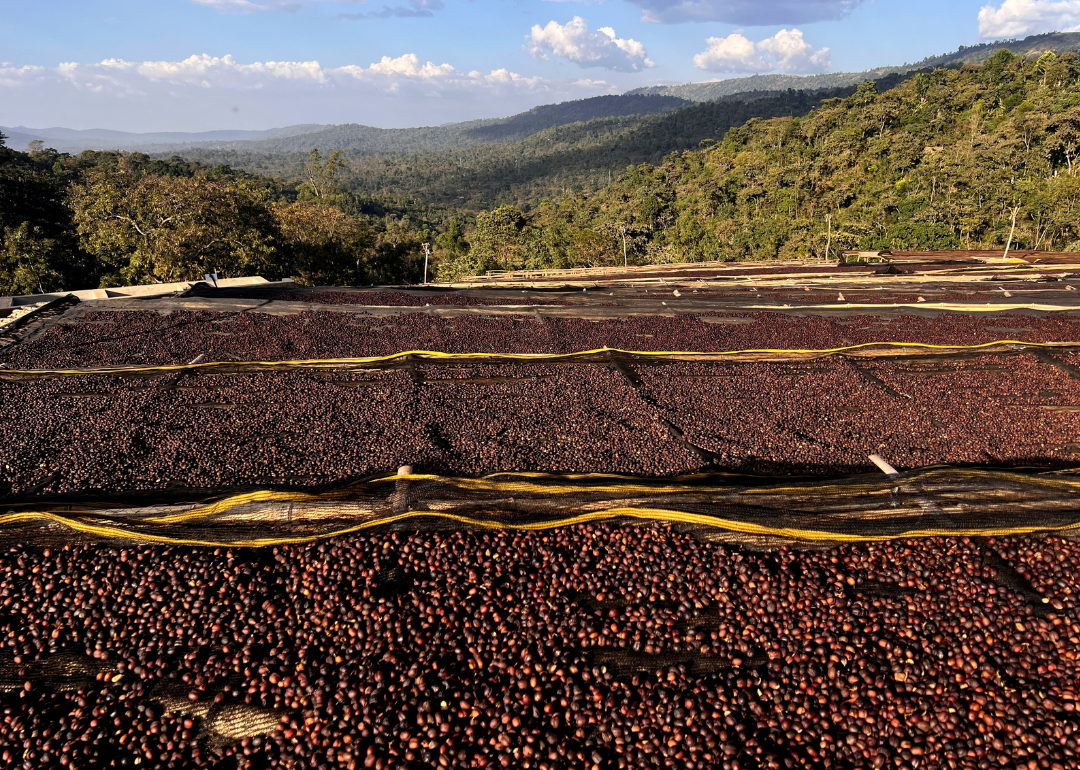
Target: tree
[497, 240]
[38, 250]
[453, 242]
[28, 262]
[145, 228]
[322, 177]
[1063, 142]
[322, 245]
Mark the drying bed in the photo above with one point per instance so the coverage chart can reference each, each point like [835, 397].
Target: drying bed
[827, 415]
[76, 434]
[585, 647]
[197, 429]
[131, 337]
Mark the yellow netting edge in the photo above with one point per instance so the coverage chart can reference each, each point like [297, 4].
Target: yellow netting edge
[438, 355]
[647, 514]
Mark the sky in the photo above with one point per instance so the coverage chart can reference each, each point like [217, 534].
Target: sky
[199, 65]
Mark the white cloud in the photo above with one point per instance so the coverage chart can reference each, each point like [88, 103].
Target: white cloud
[210, 71]
[734, 53]
[793, 54]
[786, 51]
[574, 41]
[1019, 18]
[749, 12]
[409, 66]
[203, 92]
[225, 72]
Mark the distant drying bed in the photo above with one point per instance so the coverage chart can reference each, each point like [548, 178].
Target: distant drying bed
[380, 298]
[938, 281]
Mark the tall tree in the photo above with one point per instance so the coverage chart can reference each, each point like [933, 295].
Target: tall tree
[145, 228]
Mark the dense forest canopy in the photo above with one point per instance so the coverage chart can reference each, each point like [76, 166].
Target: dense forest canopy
[945, 159]
[108, 219]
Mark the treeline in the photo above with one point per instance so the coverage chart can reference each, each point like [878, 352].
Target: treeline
[108, 219]
[944, 160]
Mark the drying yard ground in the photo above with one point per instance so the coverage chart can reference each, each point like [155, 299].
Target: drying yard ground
[616, 644]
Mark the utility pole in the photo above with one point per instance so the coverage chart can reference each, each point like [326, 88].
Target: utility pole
[624, 246]
[1011, 231]
[828, 241]
[427, 253]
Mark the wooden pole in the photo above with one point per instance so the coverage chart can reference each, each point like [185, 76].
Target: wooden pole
[1011, 231]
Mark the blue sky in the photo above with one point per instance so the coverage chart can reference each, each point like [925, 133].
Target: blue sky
[192, 65]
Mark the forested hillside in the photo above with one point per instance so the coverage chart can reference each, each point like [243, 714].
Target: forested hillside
[580, 157]
[756, 86]
[942, 161]
[1058, 43]
[107, 219]
[747, 87]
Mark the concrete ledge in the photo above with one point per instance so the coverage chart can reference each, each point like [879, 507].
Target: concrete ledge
[15, 318]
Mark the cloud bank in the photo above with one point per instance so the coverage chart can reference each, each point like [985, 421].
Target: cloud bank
[575, 42]
[1019, 18]
[203, 92]
[748, 12]
[785, 51]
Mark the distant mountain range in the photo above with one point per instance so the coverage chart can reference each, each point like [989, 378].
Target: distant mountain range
[353, 136]
[74, 140]
[360, 140]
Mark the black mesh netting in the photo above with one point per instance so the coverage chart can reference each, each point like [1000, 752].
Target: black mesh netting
[749, 510]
